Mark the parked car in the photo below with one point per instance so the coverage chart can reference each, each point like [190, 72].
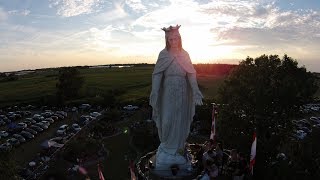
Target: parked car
[36, 128]
[300, 134]
[22, 125]
[84, 106]
[19, 137]
[305, 129]
[83, 120]
[75, 127]
[6, 120]
[95, 114]
[38, 117]
[50, 120]
[27, 113]
[4, 134]
[55, 118]
[31, 131]
[314, 120]
[62, 129]
[42, 125]
[62, 113]
[5, 146]
[27, 122]
[13, 141]
[31, 120]
[60, 116]
[46, 123]
[47, 114]
[130, 107]
[27, 134]
[2, 122]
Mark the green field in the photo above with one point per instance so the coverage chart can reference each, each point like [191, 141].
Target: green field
[134, 82]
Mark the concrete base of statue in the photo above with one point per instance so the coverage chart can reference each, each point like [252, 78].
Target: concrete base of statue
[165, 160]
[187, 170]
[168, 165]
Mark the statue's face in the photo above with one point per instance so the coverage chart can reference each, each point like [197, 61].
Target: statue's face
[174, 41]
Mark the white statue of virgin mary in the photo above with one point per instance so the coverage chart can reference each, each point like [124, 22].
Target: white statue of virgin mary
[173, 98]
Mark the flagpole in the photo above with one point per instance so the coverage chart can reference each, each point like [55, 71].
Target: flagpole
[213, 124]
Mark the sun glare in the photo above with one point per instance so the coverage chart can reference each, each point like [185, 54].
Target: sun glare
[199, 45]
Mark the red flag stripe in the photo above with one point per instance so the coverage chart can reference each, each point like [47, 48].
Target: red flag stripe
[133, 175]
[101, 177]
[253, 152]
[82, 170]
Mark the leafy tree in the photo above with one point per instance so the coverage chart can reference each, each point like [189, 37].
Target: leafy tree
[110, 97]
[69, 83]
[2, 75]
[260, 94]
[268, 84]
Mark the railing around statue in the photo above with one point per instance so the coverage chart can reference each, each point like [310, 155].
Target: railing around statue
[146, 167]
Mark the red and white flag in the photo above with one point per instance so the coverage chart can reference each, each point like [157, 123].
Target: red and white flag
[253, 152]
[82, 170]
[101, 177]
[133, 175]
[213, 126]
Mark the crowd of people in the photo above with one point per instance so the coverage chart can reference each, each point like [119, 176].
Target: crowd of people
[213, 161]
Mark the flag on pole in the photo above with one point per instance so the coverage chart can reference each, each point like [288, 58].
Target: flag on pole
[133, 175]
[253, 152]
[101, 177]
[82, 170]
[213, 126]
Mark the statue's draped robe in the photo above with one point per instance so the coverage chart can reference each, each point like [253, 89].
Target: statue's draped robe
[174, 108]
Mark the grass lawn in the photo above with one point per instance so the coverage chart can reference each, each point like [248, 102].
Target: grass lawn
[210, 85]
[134, 82]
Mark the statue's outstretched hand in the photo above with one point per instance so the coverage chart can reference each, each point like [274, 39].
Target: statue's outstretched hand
[198, 98]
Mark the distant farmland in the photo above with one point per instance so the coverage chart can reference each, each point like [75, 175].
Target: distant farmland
[134, 82]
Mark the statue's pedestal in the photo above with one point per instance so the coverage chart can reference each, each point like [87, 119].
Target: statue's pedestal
[164, 161]
[149, 168]
[164, 171]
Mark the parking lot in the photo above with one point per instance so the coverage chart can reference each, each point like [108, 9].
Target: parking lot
[26, 129]
[304, 126]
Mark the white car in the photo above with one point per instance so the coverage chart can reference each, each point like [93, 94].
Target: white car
[130, 107]
[76, 127]
[85, 106]
[95, 114]
[62, 129]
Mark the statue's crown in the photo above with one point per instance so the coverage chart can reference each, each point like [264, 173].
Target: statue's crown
[171, 28]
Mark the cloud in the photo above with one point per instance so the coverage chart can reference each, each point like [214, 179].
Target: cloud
[69, 8]
[117, 13]
[19, 12]
[3, 15]
[136, 5]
